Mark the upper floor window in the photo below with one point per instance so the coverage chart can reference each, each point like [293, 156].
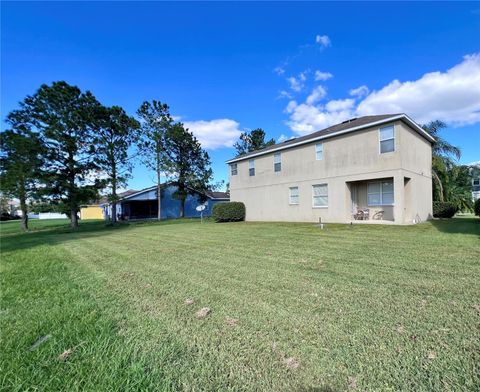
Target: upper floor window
[387, 139]
[319, 151]
[251, 167]
[233, 169]
[380, 193]
[476, 182]
[277, 162]
[320, 195]
[293, 196]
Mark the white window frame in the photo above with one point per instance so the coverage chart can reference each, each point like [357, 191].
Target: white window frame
[381, 193]
[251, 166]
[313, 195]
[233, 169]
[380, 140]
[290, 196]
[319, 149]
[275, 163]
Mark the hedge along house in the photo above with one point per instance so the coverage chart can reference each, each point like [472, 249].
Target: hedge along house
[143, 204]
[367, 169]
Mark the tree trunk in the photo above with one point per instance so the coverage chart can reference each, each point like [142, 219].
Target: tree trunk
[182, 207]
[114, 193]
[72, 194]
[113, 218]
[23, 208]
[159, 188]
[73, 219]
[439, 183]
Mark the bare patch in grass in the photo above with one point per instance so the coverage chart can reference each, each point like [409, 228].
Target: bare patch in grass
[189, 301]
[65, 355]
[231, 322]
[202, 313]
[400, 328]
[431, 355]
[476, 307]
[291, 363]
[352, 382]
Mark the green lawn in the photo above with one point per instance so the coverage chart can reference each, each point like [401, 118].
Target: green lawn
[293, 307]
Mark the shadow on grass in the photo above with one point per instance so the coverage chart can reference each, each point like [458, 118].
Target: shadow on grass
[467, 224]
[52, 234]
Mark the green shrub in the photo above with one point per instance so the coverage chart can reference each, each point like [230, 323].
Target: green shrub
[233, 211]
[444, 209]
[476, 207]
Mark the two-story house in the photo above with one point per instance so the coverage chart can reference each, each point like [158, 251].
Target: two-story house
[373, 168]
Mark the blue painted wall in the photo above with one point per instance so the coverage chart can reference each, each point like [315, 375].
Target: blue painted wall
[170, 208]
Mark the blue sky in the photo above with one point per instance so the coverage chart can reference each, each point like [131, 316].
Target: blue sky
[289, 68]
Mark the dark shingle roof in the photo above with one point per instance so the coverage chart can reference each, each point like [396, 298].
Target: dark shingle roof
[356, 122]
[218, 195]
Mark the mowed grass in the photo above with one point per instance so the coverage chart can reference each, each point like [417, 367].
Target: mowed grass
[293, 307]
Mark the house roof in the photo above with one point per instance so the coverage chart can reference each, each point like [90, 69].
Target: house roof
[218, 195]
[352, 125]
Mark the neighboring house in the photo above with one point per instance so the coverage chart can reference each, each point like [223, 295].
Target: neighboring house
[373, 167]
[476, 188]
[92, 211]
[143, 204]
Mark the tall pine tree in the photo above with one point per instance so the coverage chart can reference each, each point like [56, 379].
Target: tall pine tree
[65, 118]
[20, 162]
[187, 164]
[115, 133]
[155, 120]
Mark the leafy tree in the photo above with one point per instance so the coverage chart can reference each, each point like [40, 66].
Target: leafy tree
[64, 116]
[155, 120]
[116, 132]
[443, 155]
[20, 162]
[187, 163]
[253, 141]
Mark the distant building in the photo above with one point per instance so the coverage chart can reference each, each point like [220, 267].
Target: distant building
[143, 204]
[476, 188]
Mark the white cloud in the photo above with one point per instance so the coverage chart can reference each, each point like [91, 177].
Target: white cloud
[295, 83]
[321, 76]
[316, 95]
[323, 40]
[291, 106]
[216, 133]
[279, 70]
[452, 96]
[306, 118]
[284, 94]
[340, 105]
[359, 91]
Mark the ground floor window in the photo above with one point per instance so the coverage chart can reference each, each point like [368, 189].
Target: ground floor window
[380, 193]
[293, 197]
[320, 195]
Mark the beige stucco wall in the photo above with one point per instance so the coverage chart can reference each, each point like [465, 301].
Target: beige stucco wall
[349, 157]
